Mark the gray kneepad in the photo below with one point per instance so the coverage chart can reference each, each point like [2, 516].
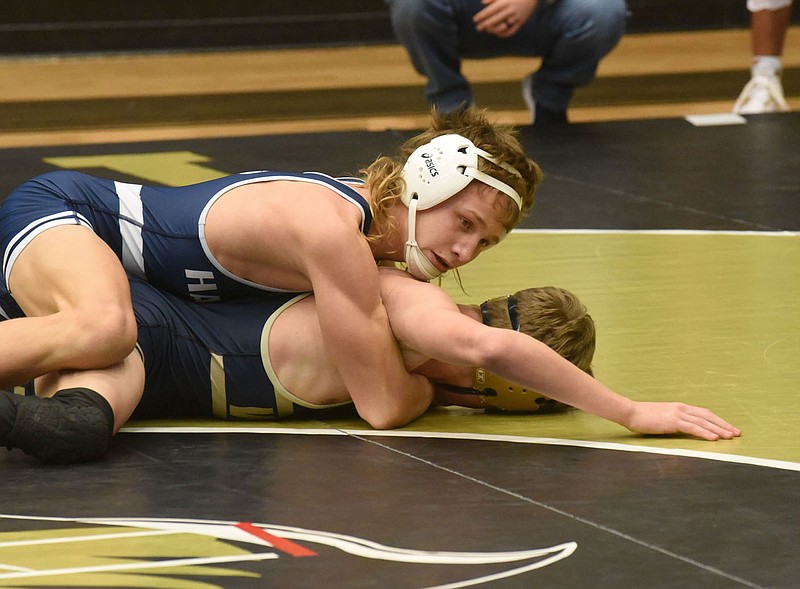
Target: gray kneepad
[74, 425]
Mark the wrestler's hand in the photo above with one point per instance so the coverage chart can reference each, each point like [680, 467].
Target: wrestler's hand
[503, 18]
[679, 418]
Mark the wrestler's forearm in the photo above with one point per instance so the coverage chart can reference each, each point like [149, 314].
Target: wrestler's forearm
[532, 364]
[550, 374]
[358, 338]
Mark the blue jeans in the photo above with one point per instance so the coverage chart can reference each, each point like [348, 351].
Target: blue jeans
[571, 37]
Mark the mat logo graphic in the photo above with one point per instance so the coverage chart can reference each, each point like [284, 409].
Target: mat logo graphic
[144, 553]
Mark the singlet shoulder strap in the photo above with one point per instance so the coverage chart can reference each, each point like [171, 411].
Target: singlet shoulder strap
[343, 188]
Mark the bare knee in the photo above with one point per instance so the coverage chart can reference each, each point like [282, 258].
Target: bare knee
[101, 335]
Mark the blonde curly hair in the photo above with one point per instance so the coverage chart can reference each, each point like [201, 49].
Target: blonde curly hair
[552, 315]
[555, 317]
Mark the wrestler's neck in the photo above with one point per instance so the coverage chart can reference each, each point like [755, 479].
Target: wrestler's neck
[393, 230]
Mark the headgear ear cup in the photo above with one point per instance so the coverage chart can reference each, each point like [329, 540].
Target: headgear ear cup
[502, 395]
[433, 173]
[497, 392]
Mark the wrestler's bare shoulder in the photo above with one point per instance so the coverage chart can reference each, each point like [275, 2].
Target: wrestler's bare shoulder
[269, 232]
[282, 204]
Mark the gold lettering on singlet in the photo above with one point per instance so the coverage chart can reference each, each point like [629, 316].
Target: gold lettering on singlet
[219, 396]
[250, 413]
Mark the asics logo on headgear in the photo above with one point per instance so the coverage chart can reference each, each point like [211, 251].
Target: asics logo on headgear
[429, 163]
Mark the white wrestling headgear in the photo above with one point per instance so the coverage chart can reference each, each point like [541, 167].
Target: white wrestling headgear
[433, 173]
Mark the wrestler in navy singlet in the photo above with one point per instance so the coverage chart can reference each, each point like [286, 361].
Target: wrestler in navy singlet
[157, 232]
[209, 360]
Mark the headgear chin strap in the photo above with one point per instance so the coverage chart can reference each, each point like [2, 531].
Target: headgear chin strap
[433, 173]
[419, 266]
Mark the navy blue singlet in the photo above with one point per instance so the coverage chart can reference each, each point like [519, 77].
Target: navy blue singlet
[157, 232]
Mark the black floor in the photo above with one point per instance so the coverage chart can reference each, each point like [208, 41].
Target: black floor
[638, 520]
[670, 174]
[661, 174]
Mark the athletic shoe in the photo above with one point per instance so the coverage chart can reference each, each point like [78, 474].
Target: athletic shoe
[527, 96]
[763, 93]
[540, 116]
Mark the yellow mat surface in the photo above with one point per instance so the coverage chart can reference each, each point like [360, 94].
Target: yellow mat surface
[710, 319]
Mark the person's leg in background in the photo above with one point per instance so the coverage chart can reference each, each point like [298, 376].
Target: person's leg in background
[769, 20]
[571, 37]
[429, 30]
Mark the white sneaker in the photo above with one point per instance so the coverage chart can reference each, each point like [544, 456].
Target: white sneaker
[527, 96]
[540, 116]
[763, 93]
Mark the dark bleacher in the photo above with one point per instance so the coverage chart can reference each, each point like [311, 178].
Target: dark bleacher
[81, 26]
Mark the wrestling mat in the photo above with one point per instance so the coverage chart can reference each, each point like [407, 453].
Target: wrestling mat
[681, 237]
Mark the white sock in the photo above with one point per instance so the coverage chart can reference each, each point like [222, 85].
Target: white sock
[769, 65]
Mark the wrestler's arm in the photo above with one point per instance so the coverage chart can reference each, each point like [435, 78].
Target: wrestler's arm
[523, 359]
[356, 332]
[426, 320]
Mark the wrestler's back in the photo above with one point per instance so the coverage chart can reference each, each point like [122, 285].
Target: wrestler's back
[300, 359]
[219, 359]
[158, 232]
[262, 232]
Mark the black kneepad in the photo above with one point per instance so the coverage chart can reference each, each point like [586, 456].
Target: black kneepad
[74, 425]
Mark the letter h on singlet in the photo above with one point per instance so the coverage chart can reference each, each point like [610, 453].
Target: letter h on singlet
[201, 290]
